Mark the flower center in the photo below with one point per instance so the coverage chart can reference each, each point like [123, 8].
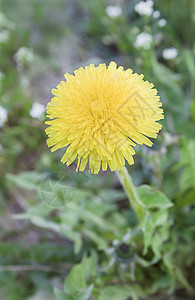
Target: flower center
[98, 106]
[99, 110]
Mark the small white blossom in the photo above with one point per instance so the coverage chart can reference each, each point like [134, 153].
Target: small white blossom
[37, 110]
[162, 22]
[24, 55]
[169, 53]
[4, 36]
[3, 116]
[144, 8]
[144, 40]
[115, 243]
[113, 11]
[156, 14]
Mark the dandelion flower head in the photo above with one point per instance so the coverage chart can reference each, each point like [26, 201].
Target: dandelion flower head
[99, 114]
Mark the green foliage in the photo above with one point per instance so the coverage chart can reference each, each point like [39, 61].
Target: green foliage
[120, 293]
[72, 236]
[151, 198]
[75, 283]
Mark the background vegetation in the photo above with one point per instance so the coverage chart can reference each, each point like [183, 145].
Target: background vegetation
[67, 235]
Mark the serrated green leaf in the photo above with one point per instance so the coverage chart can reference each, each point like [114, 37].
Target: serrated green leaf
[75, 281]
[90, 264]
[152, 198]
[160, 217]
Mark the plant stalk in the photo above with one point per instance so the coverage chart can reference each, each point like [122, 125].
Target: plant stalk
[127, 183]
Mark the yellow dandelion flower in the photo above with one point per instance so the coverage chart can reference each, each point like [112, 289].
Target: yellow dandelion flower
[100, 113]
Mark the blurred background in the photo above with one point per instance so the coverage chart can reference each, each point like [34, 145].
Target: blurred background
[50, 216]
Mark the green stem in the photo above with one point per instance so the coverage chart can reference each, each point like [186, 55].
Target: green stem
[127, 183]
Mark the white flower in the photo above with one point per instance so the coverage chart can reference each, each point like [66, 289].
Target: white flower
[4, 36]
[156, 14]
[24, 55]
[144, 8]
[162, 22]
[113, 11]
[144, 40]
[169, 53]
[3, 116]
[37, 110]
[115, 243]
